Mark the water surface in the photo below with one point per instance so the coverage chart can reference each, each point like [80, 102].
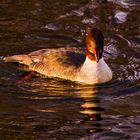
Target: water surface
[54, 109]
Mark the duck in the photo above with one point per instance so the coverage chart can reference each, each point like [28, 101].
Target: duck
[76, 64]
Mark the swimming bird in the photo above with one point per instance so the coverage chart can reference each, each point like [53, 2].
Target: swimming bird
[76, 64]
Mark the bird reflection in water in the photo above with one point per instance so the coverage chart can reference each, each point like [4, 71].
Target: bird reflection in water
[92, 111]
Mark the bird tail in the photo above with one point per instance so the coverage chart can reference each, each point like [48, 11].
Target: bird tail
[22, 59]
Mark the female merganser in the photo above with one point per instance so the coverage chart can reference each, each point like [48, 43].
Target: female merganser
[70, 63]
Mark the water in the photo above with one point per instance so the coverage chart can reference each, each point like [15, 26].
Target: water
[53, 109]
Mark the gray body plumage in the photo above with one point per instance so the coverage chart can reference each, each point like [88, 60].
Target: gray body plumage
[63, 62]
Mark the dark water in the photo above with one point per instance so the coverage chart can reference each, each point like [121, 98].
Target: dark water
[50, 109]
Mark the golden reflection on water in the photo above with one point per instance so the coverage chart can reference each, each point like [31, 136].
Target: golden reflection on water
[51, 90]
[90, 108]
[46, 110]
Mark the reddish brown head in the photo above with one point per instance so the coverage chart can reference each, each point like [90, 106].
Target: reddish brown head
[94, 44]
